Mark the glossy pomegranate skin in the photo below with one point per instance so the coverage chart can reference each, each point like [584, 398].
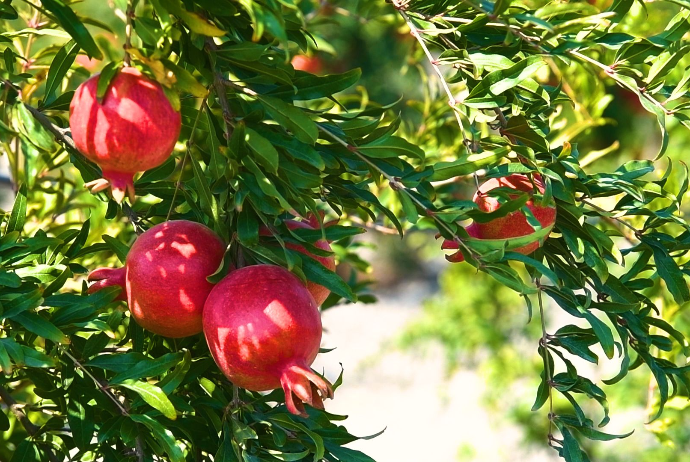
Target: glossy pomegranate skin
[134, 128]
[164, 277]
[515, 223]
[263, 329]
[319, 292]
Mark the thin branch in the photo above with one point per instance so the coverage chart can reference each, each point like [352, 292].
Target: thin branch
[16, 409]
[452, 102]
[98, 383]
[614, 220]
[219, 90]
[547, 366]
[19, 414]
[128, 31]
[187, 153]
[398, 186]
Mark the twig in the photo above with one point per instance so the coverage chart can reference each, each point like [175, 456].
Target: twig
[16, 409]
[30, 427]
[219, 90]
[636, 231]
[98, 383]
[547, 367]
[187, 153]
[398, 186]
[128, 31]
[373, 226]
[452, 102]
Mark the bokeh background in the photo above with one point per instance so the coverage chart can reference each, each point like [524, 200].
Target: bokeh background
[446, 360]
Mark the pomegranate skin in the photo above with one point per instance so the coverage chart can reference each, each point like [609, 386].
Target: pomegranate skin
[164, 277]
[515, 223]
[263, 329]
[319, 292]
[458, 257]
[310, 64]
[134, 128]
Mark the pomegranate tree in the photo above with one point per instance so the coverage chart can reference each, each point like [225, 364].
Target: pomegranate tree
[164, 277]
[131, 129]
[514, 224]
[263, 328]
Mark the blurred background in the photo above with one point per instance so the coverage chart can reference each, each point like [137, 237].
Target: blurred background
[446, 361]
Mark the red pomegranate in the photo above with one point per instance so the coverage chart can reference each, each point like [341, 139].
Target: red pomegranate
[515, 223]
[457, 257]
[164, 277]
[264, 330]
[311, 64]
[319, 292]
[134, 128]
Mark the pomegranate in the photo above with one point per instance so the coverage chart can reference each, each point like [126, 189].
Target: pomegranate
[164, 277]
[311, 64]
[319, 292]
[134, 128]
[264, 331]
[515, 223]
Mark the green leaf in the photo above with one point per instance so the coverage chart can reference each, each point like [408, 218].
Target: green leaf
[61, 63]
[206, 198]
[292, 118]
[81, 423]
[264, 151]
[389, 147]
[9, 280]
[18, 215]
[285, 422]
[79, 242]
[467, 165]
[148, 368]
[106, 77]
[195, 22]
[153, 396]
[33, 130]
[571, 448]
[120, 249]
[316, 272]
[39, 326]
[74, 27]
[161, 435]
[26, 451]
[668, 270]
[117, 362]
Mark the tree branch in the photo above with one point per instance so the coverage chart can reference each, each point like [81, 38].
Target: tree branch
[29, 426]
[219, 90]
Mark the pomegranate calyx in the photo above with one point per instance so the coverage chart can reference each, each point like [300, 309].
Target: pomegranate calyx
[303, 386]
[108, 277]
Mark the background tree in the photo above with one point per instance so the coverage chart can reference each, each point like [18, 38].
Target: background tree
[262, 143]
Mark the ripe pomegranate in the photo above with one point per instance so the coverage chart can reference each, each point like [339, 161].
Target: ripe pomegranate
[164, 277]
[134, 128]
[264, 330]
[311, 64]
[515, 223]
[319, 292]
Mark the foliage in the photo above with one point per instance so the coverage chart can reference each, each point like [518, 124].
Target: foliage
[262, 142]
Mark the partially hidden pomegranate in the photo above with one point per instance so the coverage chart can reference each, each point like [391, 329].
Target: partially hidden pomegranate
[319, 292]
[264, 331]
[311, 64]
[134, 128]
[514, 224]
[164, 277]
